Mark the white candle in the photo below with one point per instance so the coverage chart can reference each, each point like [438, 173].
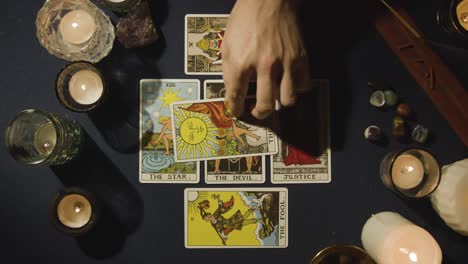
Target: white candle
[407, 171]
[391, 239]
[74, 211]
[450, 199]
[116, 1]
[77, 27]
[86, 87]
[45, 138]
[462, 14]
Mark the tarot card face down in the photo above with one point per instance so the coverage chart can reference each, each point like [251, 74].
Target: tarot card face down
[236, 218]
[157, 162]
[294, 165]
[237, 170]
[205, 130]
[204, 36]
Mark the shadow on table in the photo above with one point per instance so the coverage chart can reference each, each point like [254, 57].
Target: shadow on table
[121, 205]
[118, 117]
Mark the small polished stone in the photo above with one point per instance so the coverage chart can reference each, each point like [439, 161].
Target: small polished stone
[377, 99]
[373, 133]
[403, 110]
[398, 127]
[420, 134]
[391, 98]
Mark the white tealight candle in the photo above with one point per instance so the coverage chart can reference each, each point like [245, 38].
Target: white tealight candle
[86, 87]
[391, 239]
[77, 27]
[45, 139]
[407, 171]
[462, 14]
[116, 1]
[450, 199]
[74, 211]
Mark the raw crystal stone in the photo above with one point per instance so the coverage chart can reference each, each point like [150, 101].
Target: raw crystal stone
[377, 99]
[373, 133]
[137, 28]
[420, 134]
[391, 98]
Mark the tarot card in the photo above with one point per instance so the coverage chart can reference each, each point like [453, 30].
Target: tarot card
[203, 39]
[236, 218]
[236, 170]
[292, 164]
[157, 161]
[205, 130]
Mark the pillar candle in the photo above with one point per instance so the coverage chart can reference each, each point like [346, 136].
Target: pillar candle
[391, 239]
[450, 199]
[86, 87]
[77, 27]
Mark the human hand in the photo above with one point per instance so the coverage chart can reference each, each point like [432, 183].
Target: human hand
[263, 39]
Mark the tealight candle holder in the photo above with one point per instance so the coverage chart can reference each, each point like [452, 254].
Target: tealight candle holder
[411, 173]
[36, 137]
[75, 30]
[389, 238]
[74, 211]
[342, 254]
[120, 6]
[80, 87]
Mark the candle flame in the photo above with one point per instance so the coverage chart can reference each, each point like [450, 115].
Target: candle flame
[75, 25]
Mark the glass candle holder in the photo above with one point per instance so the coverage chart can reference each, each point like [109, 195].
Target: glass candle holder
[120, 6]
[342, 254]
[412, 173]
[75, 30]
[35, 137]
[74, 211]
[80, 87]
[453, 18]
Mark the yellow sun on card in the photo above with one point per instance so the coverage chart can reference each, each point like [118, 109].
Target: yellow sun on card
[196, 133]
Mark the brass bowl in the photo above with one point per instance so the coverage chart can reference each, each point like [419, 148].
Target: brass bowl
[342, 254]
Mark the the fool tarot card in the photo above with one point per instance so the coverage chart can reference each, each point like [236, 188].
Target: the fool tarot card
[157, 161]
[236, 218]
[206, 130]
[235, 170]
[292, 164]
[204, 36]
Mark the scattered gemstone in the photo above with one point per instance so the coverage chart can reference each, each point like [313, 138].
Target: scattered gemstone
[420, 134]
[377, 99]
[403, 110]
[391, 98]
[398, 127]
[373, 133]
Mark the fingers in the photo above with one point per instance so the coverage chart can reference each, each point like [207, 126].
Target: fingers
[294, 81]
[287, 89]
[236, 83]
[267, 90]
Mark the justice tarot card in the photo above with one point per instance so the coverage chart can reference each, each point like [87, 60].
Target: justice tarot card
[293, 165]
[236, 218]
[205, 130]
[204, 36]
[157, 161]
[236, 170]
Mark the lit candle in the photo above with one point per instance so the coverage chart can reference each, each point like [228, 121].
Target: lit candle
[77, 27]
[450, 199]
[45, 138]
[116, 1]
[462, 14]
[407, 171]
[74, 211]
[86, 87]
[391, 239]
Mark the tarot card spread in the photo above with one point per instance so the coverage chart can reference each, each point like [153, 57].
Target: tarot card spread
[205, 130]
[293, 165]
[157, 162]
[236, 218]
[235, 170]
[203, 40]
